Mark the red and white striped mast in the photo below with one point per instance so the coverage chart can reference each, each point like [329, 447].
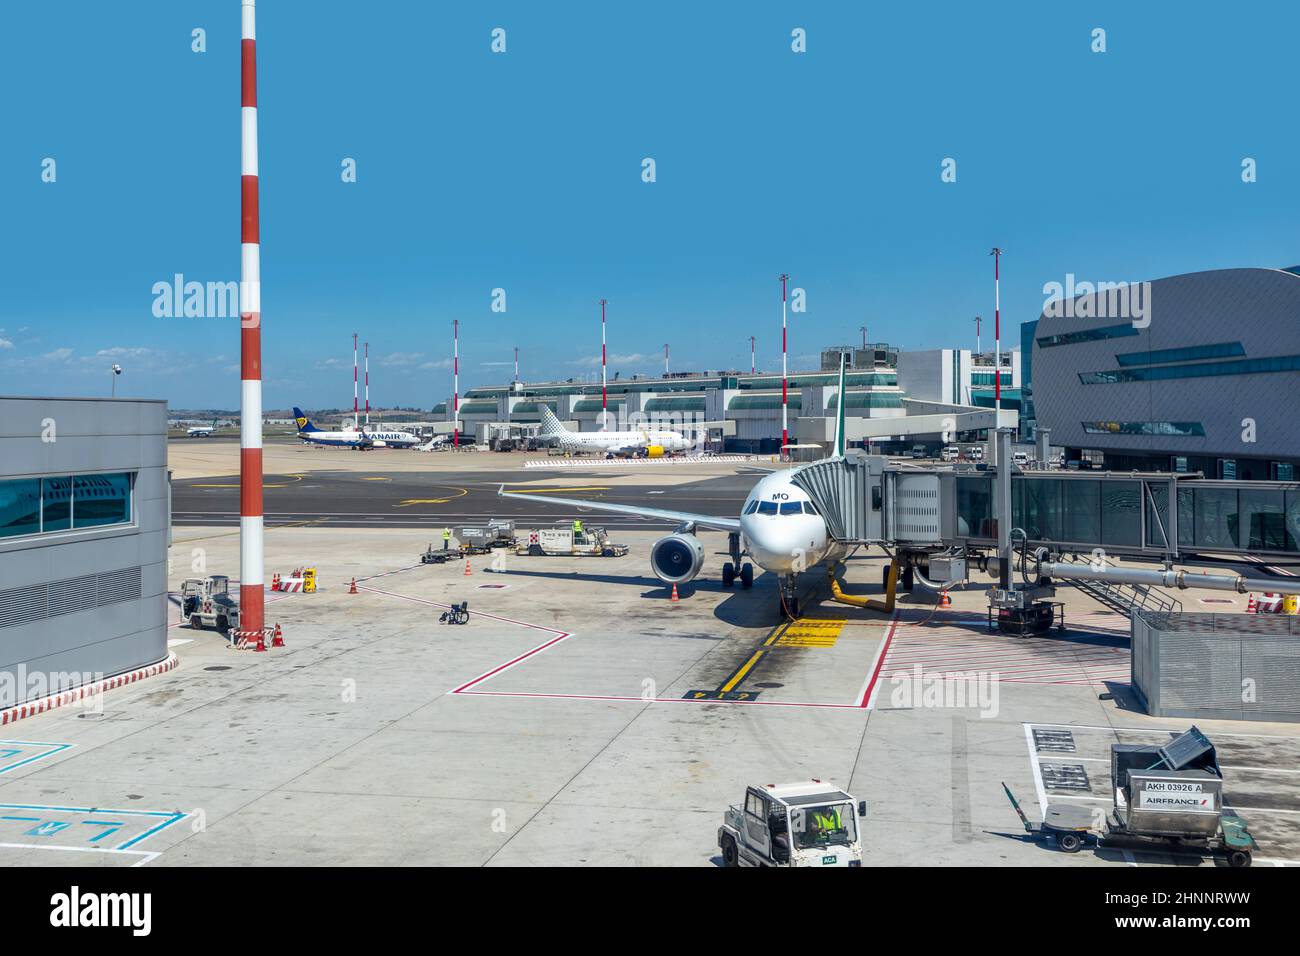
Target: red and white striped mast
[604, 389]
[367, 383]
[785, 420]
[455, 382]
[997, 338]
[356, 420]
[252, 606]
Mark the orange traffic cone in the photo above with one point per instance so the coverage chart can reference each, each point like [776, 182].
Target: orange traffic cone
[353, 589]
[277, 639]
[468, 569]
[944, 600]
[675, 598]
[1251, 606]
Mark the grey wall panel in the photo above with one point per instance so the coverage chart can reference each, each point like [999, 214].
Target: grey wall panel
[123, 632]
[1256, 307]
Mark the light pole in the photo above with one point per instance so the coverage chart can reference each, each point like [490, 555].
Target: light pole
[785, 418]
[455, 380]
[977, 335]
[665, 360]
[116, 370]
[753, 366]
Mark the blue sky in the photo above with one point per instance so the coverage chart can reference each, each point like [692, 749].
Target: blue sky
[523, 171]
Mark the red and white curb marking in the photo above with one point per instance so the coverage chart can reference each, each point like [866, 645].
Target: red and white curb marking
[53, 701]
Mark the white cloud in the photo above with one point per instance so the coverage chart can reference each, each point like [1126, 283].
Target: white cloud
[440, 363]
[58, 355]
[635, 358]
[6, 344]
[401, 359]
[119, 352]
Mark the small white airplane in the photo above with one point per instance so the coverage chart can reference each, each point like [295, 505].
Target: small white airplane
[351, 438]
[779, 527]
[202, 431]
[651, 443]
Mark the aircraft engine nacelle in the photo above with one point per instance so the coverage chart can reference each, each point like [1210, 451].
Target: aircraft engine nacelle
[677, 558]
[654, 451]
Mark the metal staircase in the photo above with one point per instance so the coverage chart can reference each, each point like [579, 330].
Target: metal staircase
[1124, 598]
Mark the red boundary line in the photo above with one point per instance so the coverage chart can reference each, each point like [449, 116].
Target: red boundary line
[53, 701]
[464, 689]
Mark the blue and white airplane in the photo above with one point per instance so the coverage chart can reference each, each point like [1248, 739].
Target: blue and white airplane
[360, 440]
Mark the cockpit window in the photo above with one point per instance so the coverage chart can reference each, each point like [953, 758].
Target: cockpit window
[791, 508]
[767, 507]
[753, 506]
[808, 508]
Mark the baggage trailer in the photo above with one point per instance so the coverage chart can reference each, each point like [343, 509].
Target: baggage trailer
[1165, 798]
[562, 542]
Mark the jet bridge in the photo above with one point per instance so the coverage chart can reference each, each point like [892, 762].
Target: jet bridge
[867, 500]
[943, 517]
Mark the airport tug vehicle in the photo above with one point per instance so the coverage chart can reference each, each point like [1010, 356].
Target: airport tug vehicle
[810, 823]
[1164, 798]
[206, 603]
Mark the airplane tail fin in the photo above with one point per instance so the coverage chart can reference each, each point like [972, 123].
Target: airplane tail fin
[840, 404]
[302, 421]
[551, 426]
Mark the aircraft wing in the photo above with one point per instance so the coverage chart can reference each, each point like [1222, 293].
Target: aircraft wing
[680, 517]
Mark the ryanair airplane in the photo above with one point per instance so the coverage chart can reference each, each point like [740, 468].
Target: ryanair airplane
[359, 439]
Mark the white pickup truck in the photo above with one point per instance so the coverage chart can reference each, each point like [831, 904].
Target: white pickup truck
[813, 823]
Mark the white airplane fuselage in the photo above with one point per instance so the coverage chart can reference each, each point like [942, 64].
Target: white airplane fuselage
[781, 530]
[622, 441]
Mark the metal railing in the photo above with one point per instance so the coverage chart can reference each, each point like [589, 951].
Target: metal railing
[1125, 598]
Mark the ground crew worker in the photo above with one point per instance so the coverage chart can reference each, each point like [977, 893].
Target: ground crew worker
[446, 538]
[577, 529]
[826, 821]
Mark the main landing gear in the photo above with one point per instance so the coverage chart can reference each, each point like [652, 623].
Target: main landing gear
[734, 568]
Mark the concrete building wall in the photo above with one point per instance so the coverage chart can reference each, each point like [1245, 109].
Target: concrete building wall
[61, 604]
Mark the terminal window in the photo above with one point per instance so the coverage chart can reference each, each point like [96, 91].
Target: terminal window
[1087, 335]
[1253, 366]
[1177, 429]
[1191, 353]
[31, 506]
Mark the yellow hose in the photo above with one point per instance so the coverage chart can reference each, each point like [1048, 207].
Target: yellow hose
[887, 605]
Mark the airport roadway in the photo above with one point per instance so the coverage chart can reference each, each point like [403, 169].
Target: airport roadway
[434, 500]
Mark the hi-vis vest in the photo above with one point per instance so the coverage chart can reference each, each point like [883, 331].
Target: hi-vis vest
[829, 821]
[446, 534]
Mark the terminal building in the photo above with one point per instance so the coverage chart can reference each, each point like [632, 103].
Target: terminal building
[895, 399]
[84, 519]
[1207, 380]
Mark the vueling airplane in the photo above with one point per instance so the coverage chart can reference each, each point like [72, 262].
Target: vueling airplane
[649, 442]
[360, 440]
[779, 527]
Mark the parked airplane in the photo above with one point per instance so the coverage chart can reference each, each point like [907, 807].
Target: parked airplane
[359, 439]
[779, 527]
[651, 443]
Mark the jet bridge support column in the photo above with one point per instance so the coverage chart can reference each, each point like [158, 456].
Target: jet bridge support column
[1002, 507]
